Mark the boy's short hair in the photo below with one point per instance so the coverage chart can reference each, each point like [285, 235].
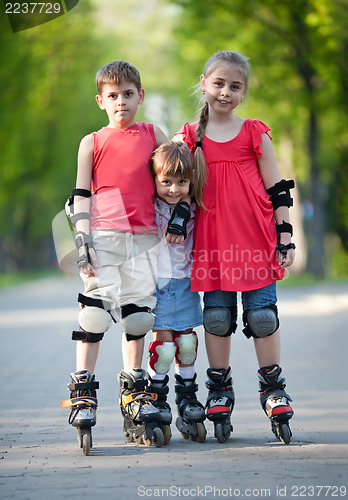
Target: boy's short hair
[117, 72]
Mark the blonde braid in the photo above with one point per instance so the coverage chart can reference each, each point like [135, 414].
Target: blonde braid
[200, 164]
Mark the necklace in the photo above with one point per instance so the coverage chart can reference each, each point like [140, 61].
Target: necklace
[161, 214]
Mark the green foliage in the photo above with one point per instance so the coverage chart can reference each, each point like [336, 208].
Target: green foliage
[299, 84]
[47, 80]
[297, 51]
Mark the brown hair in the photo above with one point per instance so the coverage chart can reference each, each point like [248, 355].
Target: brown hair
[174, 159]
[117, 72]
[241, 63]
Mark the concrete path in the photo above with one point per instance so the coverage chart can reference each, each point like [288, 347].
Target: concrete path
[39, 454]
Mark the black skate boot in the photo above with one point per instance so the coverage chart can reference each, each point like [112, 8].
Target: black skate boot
[141, 417]
[83, 404]
[220, 402]
[161, 389]
[275, 401]
[190, 410]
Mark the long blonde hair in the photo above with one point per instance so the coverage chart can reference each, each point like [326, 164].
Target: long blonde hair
[241, 63]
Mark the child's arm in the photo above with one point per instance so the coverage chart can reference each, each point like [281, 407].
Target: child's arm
[176, 231]
[270, 176]
[87, 256]
[174, 237]
[161, 137]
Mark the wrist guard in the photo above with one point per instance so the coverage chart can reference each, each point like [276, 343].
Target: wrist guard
[179, 219]
[279, 194]
[83, 243]
[285, 227]
[283, 249]
[69, 206]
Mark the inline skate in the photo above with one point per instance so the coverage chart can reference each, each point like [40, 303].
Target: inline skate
[141, 417]
[160, 387]
[190, 411]
[220, 402]
[83, 404]
[275, 401]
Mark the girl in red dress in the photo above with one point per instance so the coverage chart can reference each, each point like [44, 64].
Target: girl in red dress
[242, 239]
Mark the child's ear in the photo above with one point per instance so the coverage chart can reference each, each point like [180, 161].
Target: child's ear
[141, 96]
[202, 83]
[99, 100]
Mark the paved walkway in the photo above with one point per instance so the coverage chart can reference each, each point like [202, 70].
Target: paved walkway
[40, 457]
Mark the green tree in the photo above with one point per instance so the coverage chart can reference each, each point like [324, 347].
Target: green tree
[46, 77]
[295, 47]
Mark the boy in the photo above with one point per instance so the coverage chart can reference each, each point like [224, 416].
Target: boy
[116, 237]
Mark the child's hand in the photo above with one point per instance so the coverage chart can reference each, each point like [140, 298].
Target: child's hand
[90, 268]
[286, 260]
[171, 238]
[87, 258]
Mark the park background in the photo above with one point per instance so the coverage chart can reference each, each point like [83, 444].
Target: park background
[299, 87]
[298, 52]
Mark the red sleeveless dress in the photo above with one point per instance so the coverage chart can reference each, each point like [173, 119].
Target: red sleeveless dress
[235, 239]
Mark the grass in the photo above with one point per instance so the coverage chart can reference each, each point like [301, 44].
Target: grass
[292, 281]
[18, 277]
[306, 280]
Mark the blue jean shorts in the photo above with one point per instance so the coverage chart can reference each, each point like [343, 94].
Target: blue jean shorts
[177, 308]
[253, 299]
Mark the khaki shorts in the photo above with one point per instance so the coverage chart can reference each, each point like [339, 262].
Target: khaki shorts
[127, 269]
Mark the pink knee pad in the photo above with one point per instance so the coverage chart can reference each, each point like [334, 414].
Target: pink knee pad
[187, 345]
[161, 355]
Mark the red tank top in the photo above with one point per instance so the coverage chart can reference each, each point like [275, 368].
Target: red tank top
[123, 186]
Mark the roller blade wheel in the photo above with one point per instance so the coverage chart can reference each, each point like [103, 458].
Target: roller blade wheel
[85, 439]
[158, 437]
[282, 431]
[201, 432]
[222, 431]
[167, 434]
[195, 431]
[148, 437]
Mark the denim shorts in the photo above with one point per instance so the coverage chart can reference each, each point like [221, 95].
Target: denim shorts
[177, 307]
[253, 299]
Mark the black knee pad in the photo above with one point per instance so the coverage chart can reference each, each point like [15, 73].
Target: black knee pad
[136, 321]
[94, 319]
[86, 336]
[261, 322]
[134, 337]
[220, 321]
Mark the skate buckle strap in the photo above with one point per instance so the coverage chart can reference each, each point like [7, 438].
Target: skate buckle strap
[146, 397]
[134, 384]
[186, 389]
[159, 391]
[86, 402]
[218, 395]
[80, 386]
[272, 394]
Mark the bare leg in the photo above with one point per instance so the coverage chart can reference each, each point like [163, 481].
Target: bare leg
[86, 355]
[218, 350]
[163, 335]
[132, 353]
[268, 350]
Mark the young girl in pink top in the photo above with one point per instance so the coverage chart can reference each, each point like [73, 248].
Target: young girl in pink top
[242, 239]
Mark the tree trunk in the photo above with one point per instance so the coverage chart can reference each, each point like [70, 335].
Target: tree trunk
[315, 262]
